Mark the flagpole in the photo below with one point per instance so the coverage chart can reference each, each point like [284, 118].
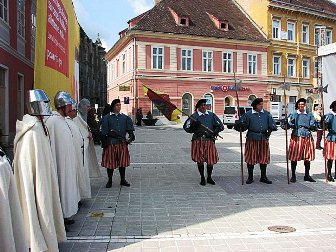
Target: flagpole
[189, 116]
[286, 130]
[240, 133]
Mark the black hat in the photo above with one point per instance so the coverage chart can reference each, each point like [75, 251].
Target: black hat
[333, 105]
[256, 101]
[114, 102]
[199, 103]
[298, 101]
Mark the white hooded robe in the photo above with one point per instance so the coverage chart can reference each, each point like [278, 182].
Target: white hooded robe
[83, 171]
[12, 232]
[91, 161]
[64, 155]
[37, 184]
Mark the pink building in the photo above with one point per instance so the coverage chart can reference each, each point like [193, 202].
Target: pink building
[188, 50]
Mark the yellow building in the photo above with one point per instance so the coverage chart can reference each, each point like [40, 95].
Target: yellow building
[295, 29]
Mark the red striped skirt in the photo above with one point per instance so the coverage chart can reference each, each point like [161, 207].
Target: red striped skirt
[257, 152]
[329, 150]
[301, 148]
[204, 151]
[115, 156]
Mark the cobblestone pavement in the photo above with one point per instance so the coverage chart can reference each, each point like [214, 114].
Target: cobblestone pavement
[166, 209]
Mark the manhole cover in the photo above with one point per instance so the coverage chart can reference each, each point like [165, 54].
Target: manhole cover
[282, 229]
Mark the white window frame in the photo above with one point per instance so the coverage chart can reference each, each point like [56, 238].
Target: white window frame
[207, 61]
[278, 65]
[293, 31]
[227, 62]
[4, 10]
[185, 58]
[328, 39]
[276, 30]
[156, 56]
[305, 35]
[21, 18]
[291, 67]
[305, 68]
[252, 64]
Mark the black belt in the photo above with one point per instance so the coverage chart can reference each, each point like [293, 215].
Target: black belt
[259, 132]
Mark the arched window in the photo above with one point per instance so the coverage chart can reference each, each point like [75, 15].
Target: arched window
[187, 103]
[228, 101]
[209, 103]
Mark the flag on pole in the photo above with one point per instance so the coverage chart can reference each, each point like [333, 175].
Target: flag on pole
[162, 102]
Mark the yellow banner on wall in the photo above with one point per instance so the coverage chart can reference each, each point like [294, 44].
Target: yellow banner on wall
[56, 48]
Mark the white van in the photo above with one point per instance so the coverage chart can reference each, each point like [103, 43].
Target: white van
[231, 114]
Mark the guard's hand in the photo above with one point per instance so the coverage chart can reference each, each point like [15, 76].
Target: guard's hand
[90, 136]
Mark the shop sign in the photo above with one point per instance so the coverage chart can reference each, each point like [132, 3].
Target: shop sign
[124, 88]
[225, 88]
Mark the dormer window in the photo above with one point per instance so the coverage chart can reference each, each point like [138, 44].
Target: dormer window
[183, 21]
[224, 25]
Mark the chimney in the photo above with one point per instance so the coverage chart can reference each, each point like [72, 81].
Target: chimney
[156, 2]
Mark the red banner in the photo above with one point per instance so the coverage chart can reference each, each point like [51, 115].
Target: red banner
[57, 37]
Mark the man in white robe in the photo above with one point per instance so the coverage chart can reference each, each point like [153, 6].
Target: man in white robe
[90, 157]
[64, 155]
[82, 169]
[36, 179]
[12, 232]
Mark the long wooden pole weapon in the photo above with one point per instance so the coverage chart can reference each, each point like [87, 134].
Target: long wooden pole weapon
[323, 130]
[240, 133]
[286, 123]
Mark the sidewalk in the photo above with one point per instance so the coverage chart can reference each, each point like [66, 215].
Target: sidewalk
[166, 209]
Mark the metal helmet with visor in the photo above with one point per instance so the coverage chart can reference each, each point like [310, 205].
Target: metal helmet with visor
[38, 103]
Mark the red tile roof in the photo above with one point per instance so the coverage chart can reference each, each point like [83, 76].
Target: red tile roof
[160, 19]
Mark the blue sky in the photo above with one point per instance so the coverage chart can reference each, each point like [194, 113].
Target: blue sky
[108, 17]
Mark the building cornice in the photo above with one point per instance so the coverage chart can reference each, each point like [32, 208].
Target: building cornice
[181, 37]
[301, 9]
[17, 55]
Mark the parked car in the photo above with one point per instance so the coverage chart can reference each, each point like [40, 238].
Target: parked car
[231, 114]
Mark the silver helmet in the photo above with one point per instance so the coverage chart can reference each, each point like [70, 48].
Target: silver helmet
[62, 99]
[74, 104]
[38, 103]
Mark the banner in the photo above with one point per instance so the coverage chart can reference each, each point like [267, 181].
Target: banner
[56, 48]
[328, 75]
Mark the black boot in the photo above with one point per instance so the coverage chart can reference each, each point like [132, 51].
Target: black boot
[329, 165]
[201, 172]
[293, 167]
[263, 177]
[307, 177]
[209, 171]
[250, 174]
[109, 174]
[123, 182]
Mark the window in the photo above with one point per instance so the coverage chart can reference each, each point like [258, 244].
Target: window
[305, 68]
[184, 22]
[4, 10]
[328, 37]
[187, 104]
[317, 36]
[123, 63]
[276, 29]
[291, 31]
[33, 22]
[305, 34]
[186, 59]
[316, 68]
[224, 25]
[276, 65]
[207, 61]
[252, 64]
[209, 102]
[20, 97]
[3, 98]
[292, 99]
[21, 17]
[291, 67]
[227, 62]
[157, 58]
